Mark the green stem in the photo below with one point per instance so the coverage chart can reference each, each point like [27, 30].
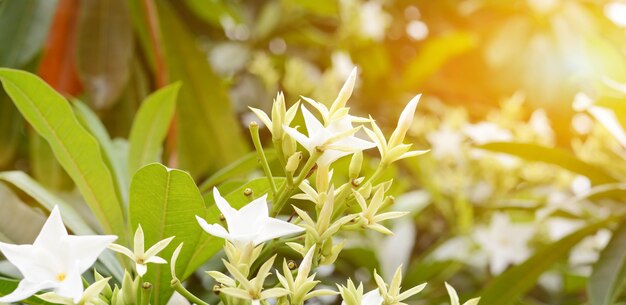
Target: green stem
[285, 193]
[185, 293]
[254, 132]
[146, 291]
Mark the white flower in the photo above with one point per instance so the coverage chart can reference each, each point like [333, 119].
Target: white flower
[374, 20]
[334, 141]
[446, 142]
[140, 256]
[55, 260]
[454, 298]
[504, 242]
[486, 132]
[616, 12]
[372, 298]
[587, 252]
[250, 224]
[90, 294]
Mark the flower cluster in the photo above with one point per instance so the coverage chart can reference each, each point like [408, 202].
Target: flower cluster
[322, 209]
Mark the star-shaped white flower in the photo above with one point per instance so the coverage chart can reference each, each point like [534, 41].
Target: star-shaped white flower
[454, 297]
[139, 255]
[55, 260]
[335, 140]
[250, 224]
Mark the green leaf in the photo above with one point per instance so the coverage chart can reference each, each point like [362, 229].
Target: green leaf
[72, 219]
[104, 50]
[209, 136]
[24, 26]
[245, 164]
[44, 167]
[513, 283]
[11, 124]
[165, 202]
[76, 150]
[110, 151]
[8, 285]
[15, 214]
[559, 157]
[209, 245]
[609, 272]
[150, 127]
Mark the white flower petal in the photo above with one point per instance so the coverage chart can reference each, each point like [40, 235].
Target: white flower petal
[372, 298]
[24, 290]
[32, 262]
[313, 126]
[156, 260]
[138, 241]
[299, 137]
[213, 229]
[85, 249]
[52, 231]
[274, 228]
[158, 247]
[71, 286]
[256, 209]
[454, 298]
[141, 269]
[223, 205]
[123, 250]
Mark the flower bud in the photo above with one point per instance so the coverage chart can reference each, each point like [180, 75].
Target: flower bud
[355, 165]
[404, 122]
[289, 145]
[293, 162]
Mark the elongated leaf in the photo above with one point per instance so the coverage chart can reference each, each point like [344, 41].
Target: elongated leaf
[150, 127]
[104, 49]
[559, 157]
[209, 136]
[15, 214]
[23, 28]
[110, 152]
[209, 245]
[244, 165]
[8, 285]
[10, 125]
[512, 284]
[165, 202]
[609, 272]
[71, 217]
[45, 168]
[77, 151]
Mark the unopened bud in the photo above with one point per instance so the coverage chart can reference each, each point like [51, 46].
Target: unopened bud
[289, 145]
[355, 165]
[293, 162]
[222, 218]
[248, 192]
[357, 181]
[216, 288]
[292, 265]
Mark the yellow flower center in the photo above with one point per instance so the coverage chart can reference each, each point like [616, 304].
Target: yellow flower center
[61, 276]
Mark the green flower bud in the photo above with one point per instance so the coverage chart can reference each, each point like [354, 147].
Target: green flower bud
[355, 165]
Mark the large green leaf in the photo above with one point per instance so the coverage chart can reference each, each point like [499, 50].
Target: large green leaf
[165, 202]
[72, 219]
[75, 149]
[104, 49]
[8, 285]
[209, 245]
[609, 272]
[512, 284]
[559, 157]
[24, 25]
[209, 136]
[150, 127]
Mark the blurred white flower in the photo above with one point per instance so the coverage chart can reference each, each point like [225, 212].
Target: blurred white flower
[456, 249]
[371, 298]
[342, 64]
[445, 142]
[587, 252]
[616, 12]
[540, 123]
[559, 227]
[504, 242]
[250, 224]
[229, 57]
[55, 260]
[395, 250]
[374, 20]
[486, 132]
[417, 30]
